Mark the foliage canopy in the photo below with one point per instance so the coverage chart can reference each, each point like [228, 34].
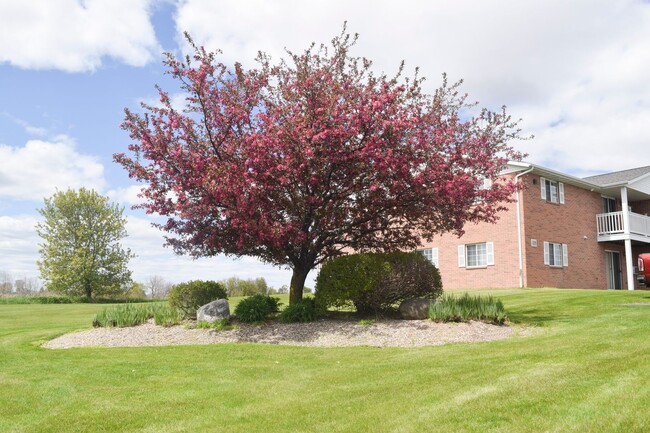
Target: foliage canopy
[297, 161]
[81, 254]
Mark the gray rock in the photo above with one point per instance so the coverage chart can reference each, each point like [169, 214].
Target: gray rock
[214, 311]
[415, 309]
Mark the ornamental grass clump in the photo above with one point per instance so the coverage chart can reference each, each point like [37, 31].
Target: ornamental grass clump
[123, 315]
[165, 315]
[465, 308]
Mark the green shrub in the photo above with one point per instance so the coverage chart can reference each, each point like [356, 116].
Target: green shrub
[376, 281]
[123, 315]
[66, 300]
[462, 309]
[302, 311]
[188, 297]
[272, 302]
[36, 300]
[256, 308]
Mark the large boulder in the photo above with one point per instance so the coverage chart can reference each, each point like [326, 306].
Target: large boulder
[415, 309]
[215, 311]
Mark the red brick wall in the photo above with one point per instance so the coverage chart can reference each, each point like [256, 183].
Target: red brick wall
[504, 272]
[572, 223]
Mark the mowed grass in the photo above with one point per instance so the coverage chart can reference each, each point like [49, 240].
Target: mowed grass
[587, 369]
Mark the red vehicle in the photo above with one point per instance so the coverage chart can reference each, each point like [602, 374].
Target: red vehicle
[644, 269]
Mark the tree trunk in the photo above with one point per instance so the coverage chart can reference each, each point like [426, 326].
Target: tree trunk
[297, 285]
[89, 292]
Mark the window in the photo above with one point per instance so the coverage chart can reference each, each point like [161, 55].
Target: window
[485, 183]
[609, 204]
[431, 254]
[552, 191]
[556, 255]
[476, 255]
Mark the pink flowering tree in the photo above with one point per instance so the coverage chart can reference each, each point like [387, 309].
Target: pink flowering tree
[299, 161]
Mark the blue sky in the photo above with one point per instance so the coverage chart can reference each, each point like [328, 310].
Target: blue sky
[576, 72]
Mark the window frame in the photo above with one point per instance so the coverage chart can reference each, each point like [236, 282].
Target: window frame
[556, 255]
[433, 255]
[464, 254]
[551, 188]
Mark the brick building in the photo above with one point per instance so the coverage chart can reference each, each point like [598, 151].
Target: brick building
[562, 231]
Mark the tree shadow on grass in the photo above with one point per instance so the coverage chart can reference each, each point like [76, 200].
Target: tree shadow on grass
[537, 317]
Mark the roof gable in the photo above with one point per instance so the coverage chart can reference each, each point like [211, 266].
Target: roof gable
[619, 177]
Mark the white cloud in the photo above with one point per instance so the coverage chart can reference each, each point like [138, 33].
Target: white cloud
[19, 253]
[576, 72]
[178, 101]
[19, 245]
[29, 128]
[127, 196]
[39, 168]
[74, 35]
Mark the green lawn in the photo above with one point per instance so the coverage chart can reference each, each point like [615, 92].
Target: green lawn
[587, 370]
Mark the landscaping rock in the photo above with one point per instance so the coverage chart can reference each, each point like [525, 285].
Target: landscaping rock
[214, 311]
[415, 309]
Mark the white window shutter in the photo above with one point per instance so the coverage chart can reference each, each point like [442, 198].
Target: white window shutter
[565, 255]
[560, 186]
[487, 183]
[546, 254]
[489, 252]
[461, 256]
[434, 256]
[542, 183]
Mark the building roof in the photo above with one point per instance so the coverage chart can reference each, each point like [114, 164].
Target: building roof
[618, 177]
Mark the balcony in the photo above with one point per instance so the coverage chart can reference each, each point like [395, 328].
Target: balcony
[611, 226]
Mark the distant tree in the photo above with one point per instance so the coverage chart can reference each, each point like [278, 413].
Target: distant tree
[81, 253]
[6, 282]
[136, 291]
[299, 161]
[158, 287]
[261, 285]
[236, 286]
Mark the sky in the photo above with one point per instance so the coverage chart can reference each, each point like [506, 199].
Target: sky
[576, 72]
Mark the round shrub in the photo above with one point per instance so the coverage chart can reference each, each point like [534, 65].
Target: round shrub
[302, 311]
[256, 308]
[188, 297]
[374, 282]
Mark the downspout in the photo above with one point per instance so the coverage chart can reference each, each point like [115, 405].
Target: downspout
[519, 243]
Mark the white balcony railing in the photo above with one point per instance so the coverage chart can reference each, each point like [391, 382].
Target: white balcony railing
[613, 223]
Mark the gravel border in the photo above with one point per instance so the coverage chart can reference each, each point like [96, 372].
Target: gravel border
[321, 333]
